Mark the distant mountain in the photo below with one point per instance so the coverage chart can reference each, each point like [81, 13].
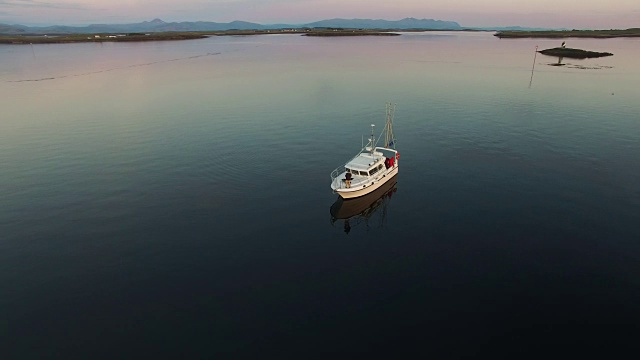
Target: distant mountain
[158, 25]
[155, 25]
[404, 24]
[512, 28]
[12, 29]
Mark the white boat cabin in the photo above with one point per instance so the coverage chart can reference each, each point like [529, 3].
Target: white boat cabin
[367, 165]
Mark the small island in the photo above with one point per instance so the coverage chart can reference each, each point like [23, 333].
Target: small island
[555, 34]
[351, 32]
[573, 53]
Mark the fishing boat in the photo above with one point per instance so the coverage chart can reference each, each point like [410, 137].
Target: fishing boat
[372, 167]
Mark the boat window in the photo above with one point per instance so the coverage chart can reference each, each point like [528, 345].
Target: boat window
[373, 171]
[347, 170]
[380, 167]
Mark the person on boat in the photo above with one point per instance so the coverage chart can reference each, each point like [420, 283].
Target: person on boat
[347, 180]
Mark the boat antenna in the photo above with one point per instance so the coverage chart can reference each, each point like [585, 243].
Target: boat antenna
[372, 138]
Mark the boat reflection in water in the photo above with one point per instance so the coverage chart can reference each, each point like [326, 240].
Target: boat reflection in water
[360, 210]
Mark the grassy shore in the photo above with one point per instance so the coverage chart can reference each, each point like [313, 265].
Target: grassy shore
[98, 38]
[598, 34]
[77, 38]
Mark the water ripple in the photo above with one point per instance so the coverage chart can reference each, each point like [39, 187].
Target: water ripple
[113, 69]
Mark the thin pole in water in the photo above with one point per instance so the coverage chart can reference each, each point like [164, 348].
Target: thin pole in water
[533, 66]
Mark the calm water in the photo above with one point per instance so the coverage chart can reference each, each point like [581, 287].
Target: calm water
[173, 198]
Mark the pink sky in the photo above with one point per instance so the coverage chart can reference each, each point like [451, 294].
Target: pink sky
[540, 13]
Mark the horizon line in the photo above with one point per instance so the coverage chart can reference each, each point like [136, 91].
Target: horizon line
[301, 24]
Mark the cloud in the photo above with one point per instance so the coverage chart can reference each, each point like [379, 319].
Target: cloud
[40, 4]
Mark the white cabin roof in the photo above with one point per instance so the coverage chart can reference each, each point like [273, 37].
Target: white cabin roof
[364, 161]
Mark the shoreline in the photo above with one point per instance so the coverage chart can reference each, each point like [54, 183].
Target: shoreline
[96, 38]
[24, 39]
[189, 35]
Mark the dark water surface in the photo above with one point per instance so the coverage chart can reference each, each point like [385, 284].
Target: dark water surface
[172, 198]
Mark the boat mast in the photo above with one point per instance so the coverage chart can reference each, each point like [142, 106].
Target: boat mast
[389, 140]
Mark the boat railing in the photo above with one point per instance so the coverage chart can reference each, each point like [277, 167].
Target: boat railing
[335, 173]
[337, 184]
